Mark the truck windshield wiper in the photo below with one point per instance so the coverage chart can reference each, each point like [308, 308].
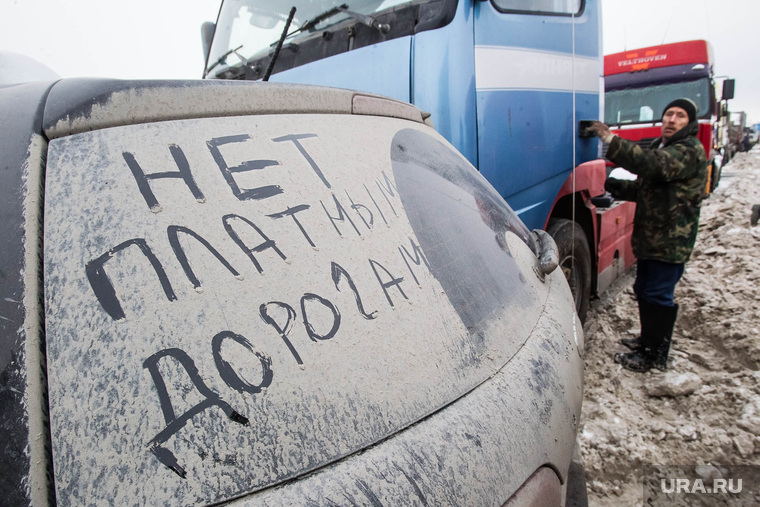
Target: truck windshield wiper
[308, 25]
[222, 58]
[318, 19]
[342, 9]
[367, 20]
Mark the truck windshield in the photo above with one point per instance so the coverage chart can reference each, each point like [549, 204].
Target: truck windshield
[248, 29]
[645, 105]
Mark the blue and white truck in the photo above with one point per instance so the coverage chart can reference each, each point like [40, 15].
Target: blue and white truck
[505, 81]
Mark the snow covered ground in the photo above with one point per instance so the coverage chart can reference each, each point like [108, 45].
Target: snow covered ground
[706, 408]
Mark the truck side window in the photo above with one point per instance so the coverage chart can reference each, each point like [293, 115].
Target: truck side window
[540, 6]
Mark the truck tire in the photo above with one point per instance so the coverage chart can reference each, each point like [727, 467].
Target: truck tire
[726, 157]
[574, 259]
[715, 176]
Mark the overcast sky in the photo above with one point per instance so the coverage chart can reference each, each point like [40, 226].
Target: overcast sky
[161, 38]
[731, 27]
[152, 39]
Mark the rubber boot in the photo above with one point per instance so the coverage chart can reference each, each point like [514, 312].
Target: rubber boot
[657, 331]
[640, 360]
[635, 343]
[632, 343]
[664, 323]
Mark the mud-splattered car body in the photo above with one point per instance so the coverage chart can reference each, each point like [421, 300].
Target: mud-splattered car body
[269, 294]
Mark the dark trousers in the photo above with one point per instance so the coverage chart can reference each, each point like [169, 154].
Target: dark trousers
[656, 281]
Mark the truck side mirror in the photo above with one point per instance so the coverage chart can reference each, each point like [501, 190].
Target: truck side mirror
[728, 89]
[207, 33]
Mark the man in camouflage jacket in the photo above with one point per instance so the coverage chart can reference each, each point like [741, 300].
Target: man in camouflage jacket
[669, 188]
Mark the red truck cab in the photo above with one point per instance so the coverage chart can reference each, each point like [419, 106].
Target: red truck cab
[639, 84]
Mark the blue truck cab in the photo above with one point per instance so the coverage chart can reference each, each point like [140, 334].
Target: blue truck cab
[505, 81]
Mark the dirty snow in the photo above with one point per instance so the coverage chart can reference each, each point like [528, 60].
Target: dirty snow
[706, 408]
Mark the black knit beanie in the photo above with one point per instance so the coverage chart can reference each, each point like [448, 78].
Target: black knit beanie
[687, 105]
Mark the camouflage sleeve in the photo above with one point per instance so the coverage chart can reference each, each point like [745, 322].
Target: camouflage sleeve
[674, 162]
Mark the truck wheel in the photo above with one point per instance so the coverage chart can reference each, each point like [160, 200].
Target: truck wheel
[574, 259]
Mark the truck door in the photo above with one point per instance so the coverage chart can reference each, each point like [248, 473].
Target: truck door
[537, 72]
